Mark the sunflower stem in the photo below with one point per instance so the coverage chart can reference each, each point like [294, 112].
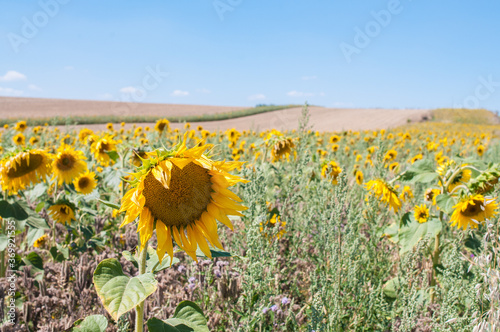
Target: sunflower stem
[435, 262]
[139, 310]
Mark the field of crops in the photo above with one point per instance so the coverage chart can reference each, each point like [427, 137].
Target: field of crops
[190, 230]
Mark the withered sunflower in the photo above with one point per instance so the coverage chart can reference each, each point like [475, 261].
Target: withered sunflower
[68, 164]
[182, 193]
[86, 183]
[26, 168]
[473, 210]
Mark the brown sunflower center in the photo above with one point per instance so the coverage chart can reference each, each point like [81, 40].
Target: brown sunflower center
[83, 182]
[65, 162]
[186, 199]
[104, 147]
[473, 210]
[35, 160]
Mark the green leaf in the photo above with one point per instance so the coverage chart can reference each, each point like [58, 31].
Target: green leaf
[113, 155]
[4, 242]
[424, 177]
[34, 234]
[406, 219]
[36, 192]
[131, 258]
[411, 234]
[37, 222]
[94, 323]
[153, 260]
[188, 317]
[13, 210]
[111, 205]
[118, 292]
[446, 203]
[156, 325]
[422, 172]
[391, 287]
[392, 233]
[215, 253]
[40, 206]
[34, 260]
[59, 253]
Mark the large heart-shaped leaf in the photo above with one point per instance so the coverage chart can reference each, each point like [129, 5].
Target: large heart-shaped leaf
[118, 292]
[13, 210]
[412, 233]
[94, 323]
[188, 317]
[153, 261]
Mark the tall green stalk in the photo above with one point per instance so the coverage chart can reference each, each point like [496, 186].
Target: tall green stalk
[139, 310]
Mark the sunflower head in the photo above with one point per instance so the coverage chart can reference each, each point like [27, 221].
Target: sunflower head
[41, 241]
[181, 193]
[331, 171]
[19, 139]
[431, 194]
[359, 177]
[480, 150]
[23, 169]
[85, 183]
[62, 212]
[473, 210]
[281, 147]
[162, 125]
[390, 155]
[416, 158]
[461, 178]
[385, 193]
[68, 164]
[421, 213]
[84, 134]
[21, 126]
[100, 148]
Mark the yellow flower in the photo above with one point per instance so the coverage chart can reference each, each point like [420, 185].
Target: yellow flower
[385, 193]
[184, 192]
[24, 169]
[109, 126]
[34, 140]
[390, 155]
[19, 139]
[480, 150]
[334, 139]
[86, 183]
[68, 164]
[20, 126]
[162, 125]
[421, 213]
[359, 177]
[84, 133]
[100, 148]
[331, 171]
[394, 166]
[62, 213]
[473, 210]
[431, 194]
[461, 178]
[282, 148]
[41, 241]
[416, 158]
[406, 194]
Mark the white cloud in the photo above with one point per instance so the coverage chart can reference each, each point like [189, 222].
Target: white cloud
[304, 94]
[12, 75]
[203, 90]
[308, 78]
[180, 93]
[10, 92]
[34, 87]
[259, 96]
[129, 90]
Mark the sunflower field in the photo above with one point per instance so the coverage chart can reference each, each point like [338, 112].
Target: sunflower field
[155, 229]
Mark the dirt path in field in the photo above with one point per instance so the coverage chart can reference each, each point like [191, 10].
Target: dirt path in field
[322, 119]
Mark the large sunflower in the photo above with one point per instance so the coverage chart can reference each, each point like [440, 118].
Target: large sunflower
[86, 183]
[385, 193]
[68, 164]
[100, 148]
[182, 193]
[472, 210]
[24, 169]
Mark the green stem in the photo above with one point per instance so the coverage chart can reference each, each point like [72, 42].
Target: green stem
[435, 262]
[139, 309]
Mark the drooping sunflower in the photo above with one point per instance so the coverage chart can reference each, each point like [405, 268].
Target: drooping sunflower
[282, 148]
[85, 183]
[83, 134]
[181, 193]
[431, 194]
[19, 139]
[461, 178]
[406, 194]
[390, 155]
[41, 241]
[68, 164]
[100, 148]
[162, 125]
[21, 126]
[385, 193]
[331, 171]
[62, 213]
[473, 210]
[421, 213]
[26, 168]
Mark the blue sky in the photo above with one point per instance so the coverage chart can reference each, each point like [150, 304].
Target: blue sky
[404, 54]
